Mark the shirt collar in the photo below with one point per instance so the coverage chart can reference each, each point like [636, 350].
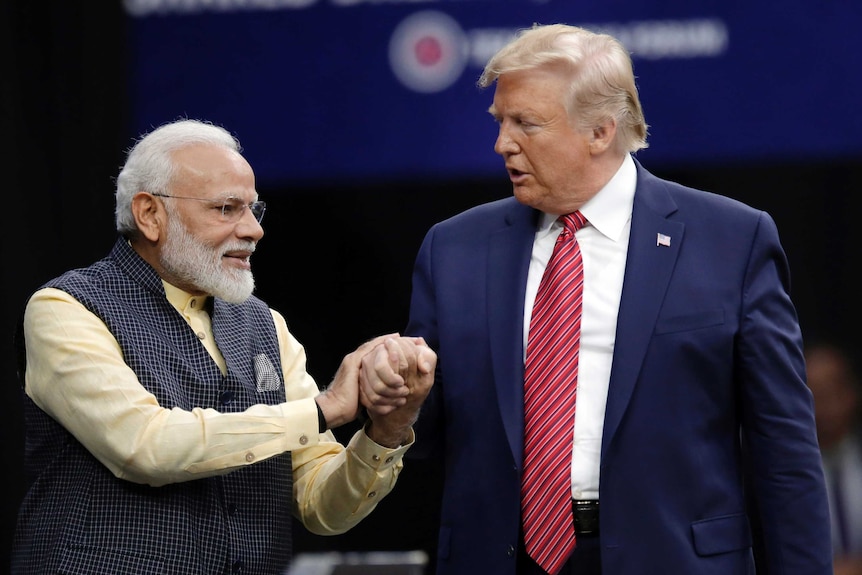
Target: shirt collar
[183, 301]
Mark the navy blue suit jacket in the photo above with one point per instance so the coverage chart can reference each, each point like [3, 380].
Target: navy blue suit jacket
[709, 449]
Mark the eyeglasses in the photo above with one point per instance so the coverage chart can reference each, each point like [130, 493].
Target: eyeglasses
[230, 208]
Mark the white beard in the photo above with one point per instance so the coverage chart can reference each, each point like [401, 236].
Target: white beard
[198, 264]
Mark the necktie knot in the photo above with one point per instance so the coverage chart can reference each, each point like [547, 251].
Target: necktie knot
[573, 222]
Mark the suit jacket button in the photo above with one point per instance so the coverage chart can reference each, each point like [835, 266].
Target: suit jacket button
[510, 551]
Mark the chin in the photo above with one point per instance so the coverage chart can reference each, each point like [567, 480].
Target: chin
[525, 196]
[238, 289]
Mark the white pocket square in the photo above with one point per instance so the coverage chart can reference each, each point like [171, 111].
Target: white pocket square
[265, 374]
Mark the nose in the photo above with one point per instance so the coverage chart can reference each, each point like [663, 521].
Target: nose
[248, 227]
[505, 144]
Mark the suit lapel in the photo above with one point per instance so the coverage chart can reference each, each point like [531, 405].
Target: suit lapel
[509, 252]
[653, 250]
[649, 266]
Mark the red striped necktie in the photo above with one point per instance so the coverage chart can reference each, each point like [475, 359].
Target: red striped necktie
[550, 387]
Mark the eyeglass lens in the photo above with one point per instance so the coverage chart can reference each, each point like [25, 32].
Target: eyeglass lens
[233, 208]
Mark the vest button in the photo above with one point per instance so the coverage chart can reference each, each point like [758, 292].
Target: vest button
[226, 397]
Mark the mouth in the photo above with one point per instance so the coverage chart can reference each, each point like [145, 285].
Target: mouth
[239, 258]
[515, 175]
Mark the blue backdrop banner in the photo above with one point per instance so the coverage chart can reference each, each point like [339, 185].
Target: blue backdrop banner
[374, 90]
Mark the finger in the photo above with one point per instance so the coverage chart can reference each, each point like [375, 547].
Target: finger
[372, 343]
[427, 360]
[372, 406]
[385, 361]
[421, 355]
[373, 401]
[397, 356]
[378, 380]
[353, 360]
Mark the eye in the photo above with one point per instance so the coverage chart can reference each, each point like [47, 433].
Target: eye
[232, 207]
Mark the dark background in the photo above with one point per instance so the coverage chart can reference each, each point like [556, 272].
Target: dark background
[336, 261]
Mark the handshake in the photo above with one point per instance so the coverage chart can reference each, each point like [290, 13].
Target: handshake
[390, 376]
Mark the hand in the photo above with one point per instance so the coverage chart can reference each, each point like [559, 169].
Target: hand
[340, 401]
[395, 379]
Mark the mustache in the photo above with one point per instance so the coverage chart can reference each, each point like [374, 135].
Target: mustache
[249, 247]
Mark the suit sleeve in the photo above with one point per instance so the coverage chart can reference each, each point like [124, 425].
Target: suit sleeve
[423, 322]
[790, 508]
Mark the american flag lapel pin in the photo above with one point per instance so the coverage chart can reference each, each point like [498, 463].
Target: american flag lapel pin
[662, 240]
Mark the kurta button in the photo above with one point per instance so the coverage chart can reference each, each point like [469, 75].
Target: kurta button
[201, 335]
[372, 494]
[226, 397]
[389, 459]
[249, 456]
[375, 457]
[303, 439]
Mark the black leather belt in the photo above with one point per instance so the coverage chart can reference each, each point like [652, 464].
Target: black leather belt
[586, 517]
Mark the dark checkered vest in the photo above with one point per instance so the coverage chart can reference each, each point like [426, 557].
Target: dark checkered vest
[77, 517]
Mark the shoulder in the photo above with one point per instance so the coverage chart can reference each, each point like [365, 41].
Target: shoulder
[679, 201]
[490, 215]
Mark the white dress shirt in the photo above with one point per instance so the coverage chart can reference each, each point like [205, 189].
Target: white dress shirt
[604, 245]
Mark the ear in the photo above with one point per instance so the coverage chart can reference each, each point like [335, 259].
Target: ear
[149, 214]
[603, 136]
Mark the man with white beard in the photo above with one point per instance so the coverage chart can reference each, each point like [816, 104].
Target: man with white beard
[171, 424]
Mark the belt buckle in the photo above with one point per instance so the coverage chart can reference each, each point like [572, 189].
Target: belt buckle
[586, 515]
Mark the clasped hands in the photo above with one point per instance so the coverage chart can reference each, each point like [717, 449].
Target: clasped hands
[390, 376]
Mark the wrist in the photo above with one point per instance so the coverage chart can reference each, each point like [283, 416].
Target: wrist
[331, 410]
[389, 438]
